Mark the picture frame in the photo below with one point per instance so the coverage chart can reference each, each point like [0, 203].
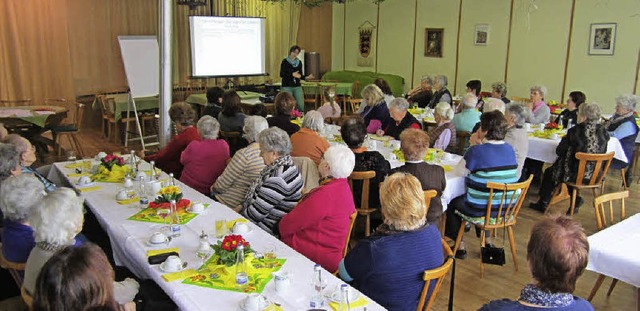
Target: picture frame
[433, 42]
[481, 34]
[602, 38]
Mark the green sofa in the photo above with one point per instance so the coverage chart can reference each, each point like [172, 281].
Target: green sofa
[365, 78]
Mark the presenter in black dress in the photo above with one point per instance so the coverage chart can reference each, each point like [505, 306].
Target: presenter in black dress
[291, 74]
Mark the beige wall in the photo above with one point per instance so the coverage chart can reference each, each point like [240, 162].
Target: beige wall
[537, 52]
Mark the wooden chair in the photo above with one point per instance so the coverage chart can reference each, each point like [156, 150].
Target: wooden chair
[314, 97]
[355, 104]
[364, 209]
[436, 274]
[352, 220]
[71, 131]
[28, 299]
[15, 269]
[428, 195]
[15, 102]
[601, 167]
[602, 222]
[463, 140]
[509, 207]
[107, 109]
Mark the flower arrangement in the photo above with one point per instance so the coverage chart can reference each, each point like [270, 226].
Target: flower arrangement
[110, 160]
[551, 126]
[295, 113]
[166, 194]
[226, 249]
[112, 168]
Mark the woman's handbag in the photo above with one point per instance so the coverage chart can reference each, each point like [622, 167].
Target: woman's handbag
[494, 255]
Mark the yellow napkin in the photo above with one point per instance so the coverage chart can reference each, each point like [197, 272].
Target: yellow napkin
[231, 223]
[180, 275]
[447, 168]
[74, 165]
[78, 175]
[153, 252]
[128, 201]
[88, 189]
[360, 302]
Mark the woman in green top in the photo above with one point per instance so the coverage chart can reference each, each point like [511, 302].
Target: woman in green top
[291, 73]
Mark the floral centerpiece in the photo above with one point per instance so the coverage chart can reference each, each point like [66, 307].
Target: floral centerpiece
[112, 168]
[551, 126]
[226, 249]
[166, 194]
[295, 113]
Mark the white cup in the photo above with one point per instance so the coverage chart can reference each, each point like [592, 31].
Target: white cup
[395, 144]
[154, 186]
[158, 238]
[282, 281]
[172, 264]
[554, 136]
[392, 156]
[255, 302]
[84, 180]
[197, 207]
[541, 126]
[240, 227]
[128, 183]
[122, 195]
[527, 126]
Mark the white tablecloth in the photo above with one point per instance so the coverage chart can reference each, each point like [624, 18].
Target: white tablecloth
[613, 251]
[128, 239]
[544, 150]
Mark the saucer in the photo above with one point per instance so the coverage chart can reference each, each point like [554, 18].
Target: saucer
[161, 266]
[164, 243]
[194, 212]
[248, 231]
[264, 306]
[86, 185]
[353, 295]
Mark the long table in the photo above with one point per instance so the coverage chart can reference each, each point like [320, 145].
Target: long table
[122, 100]
[342, 88]
[128, 240]
[544, 150]
[245, 97]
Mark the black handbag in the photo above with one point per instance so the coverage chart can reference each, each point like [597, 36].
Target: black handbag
[493, 255]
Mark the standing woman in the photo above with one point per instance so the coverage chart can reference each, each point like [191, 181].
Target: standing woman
[291, 74]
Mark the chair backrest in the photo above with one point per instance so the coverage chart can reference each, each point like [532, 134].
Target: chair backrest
[428, 195]
[462, 139]
[355, 104]
[77, 119]
[352, 220]
[600, 162]
[436, 274]
[309, 171]
[15, 102]
[26, 297]
[511, 197]
[601, 213]
[521, 100]
[365, 177]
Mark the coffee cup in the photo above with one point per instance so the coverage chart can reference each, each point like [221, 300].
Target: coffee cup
[240, 227]
[158, 238]
[128, 183]
[154, 186]
[255, 302]
[282, 281]
[554, 136]
[527, 126]
[395, 144]
[541, 126]
[172, 264]
[122, 195]
[197, 207]
[84, 180]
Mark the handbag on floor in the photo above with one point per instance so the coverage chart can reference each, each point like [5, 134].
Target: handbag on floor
[493, 255]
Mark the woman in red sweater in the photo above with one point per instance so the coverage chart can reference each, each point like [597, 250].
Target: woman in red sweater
[168, 158]
[318, 226]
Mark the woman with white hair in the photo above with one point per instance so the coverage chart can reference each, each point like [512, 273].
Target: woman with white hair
[622, 126]
[444, 135]
[205, 159]
[278, 188]
[376, 113]
[319, 225]
[307, 142]
[517, 135]
[245, 166]
[540, 112]
[9, 161]
[400, 119]
[27, 158]
[466, 119]
[18, 196]
[441, 93]
[499, 90]
[422, 94]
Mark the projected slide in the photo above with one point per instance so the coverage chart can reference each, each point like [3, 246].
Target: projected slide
[227, 46]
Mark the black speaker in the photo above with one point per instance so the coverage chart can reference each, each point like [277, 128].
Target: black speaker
[312, 64]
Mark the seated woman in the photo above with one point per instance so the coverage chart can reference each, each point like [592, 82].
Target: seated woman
[441, 93]
[386, 94]
[466, 119]
[493, 160]
[400, 119]
[307, 142]
[9, 161]
[576, 98]
[623, 127]
[353, 132]
[414, 144]
[421, 94]
[588, 136]
[77, 278]
[517, 135]
[214, 101]
[475, 87]
[18, 196]
[540, 112]
[278, 188]
[168, 158]
[499, 91]
[204, 160]
[388, 266]
[330, 109]
[231, 117]
[284, 104]
[55, 224]
[444, 135]
[245, 166]
[376, 112]
[319, 225]
[557, 254]
[27, 158]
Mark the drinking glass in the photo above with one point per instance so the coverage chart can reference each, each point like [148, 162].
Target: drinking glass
[163, 213]
[270, 256]
[71, 155]
[221, 228]
[203, 254]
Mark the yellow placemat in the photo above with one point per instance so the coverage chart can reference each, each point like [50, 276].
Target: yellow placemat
[416, 110]
[78, 175]
[546, 134]
[180, 275]
[128, 201]
[74, 165]
[381, 138]
[153, 252]
[232, 223]
[89, 189]
[360, 302]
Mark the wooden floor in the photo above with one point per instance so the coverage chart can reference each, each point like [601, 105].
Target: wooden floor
[471, 292]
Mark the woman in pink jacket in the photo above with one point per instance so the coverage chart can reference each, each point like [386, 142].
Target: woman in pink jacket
[318, 226]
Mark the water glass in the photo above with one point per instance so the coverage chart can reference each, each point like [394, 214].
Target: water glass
[270, 256]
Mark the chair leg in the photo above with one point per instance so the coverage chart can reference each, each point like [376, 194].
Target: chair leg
[612, 286]
[367, 227]
[573, 200]
[443, 221]
[78, 145]
[596, 286]
[483, 243]
[624, 179]
[512, 244]
[459, 237]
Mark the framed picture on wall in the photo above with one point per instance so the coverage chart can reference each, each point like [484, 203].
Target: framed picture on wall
[482, 34]
[602, 40]
[433, 42]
